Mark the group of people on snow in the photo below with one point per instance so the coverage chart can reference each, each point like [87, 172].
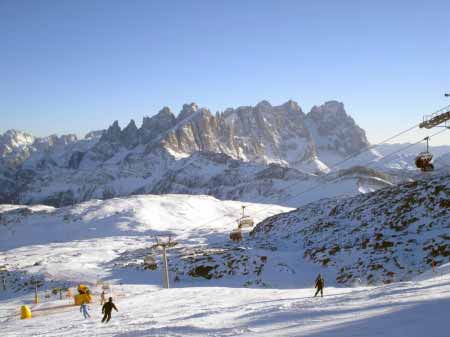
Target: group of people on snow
[107, 307]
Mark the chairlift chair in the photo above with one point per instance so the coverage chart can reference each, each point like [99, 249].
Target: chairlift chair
[245, 221]
[423, 159]
[236, 235]
[150, 262]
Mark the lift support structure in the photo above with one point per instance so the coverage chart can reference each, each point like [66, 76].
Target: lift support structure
[436, 119]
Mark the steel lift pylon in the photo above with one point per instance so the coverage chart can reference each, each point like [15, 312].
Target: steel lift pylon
[439, 117]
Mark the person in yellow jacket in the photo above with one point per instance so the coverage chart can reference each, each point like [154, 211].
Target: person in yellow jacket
[84, 309]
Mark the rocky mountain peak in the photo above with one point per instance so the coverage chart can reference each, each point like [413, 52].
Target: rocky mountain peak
[93, 135]
[45, 143]
[129, 135]
[328, 110]
[334, 130]
[112, 134]
[153, 126]
[165, 112]
[263, 106]
[13, 139]
[265, 133]
[187, 111]
[292, 107]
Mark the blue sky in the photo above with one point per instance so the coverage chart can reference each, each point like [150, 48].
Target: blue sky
[75, 66]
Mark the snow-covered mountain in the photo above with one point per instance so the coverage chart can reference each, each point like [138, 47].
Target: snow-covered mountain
[248, 153]
[262, 134]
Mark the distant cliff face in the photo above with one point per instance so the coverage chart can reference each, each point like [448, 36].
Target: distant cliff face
[116, 161]
[334, 130]
[263, 133]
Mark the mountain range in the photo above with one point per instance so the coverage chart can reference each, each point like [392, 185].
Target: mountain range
[263, 153]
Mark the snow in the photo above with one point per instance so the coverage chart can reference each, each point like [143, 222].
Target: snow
[413, 309]
[81, 243]
[93, 233]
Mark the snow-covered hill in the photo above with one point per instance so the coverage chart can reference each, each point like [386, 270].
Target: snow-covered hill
[389, 235]
[374, 237]
[87, 241]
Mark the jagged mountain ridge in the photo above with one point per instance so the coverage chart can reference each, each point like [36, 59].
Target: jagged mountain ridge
[118, 162]
[264, 133]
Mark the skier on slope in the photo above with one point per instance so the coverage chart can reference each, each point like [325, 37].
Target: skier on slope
[84, 309]
[320, 283]
[103, 298]
[106, 310]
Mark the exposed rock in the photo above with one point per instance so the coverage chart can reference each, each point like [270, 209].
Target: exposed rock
[187, 111]
[129, 136]
[112, 134]
[75, 159]
[94, 135]
[334, 131]
[153, 127]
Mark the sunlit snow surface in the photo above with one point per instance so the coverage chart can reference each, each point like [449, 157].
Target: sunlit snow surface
[73, 243]
[402, 309]
[76, 243]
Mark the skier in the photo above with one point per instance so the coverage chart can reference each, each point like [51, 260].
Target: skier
[84, 310]
[103, 298]
[106, 310]
[320, 283]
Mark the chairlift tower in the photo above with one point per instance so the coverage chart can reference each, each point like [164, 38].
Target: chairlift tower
[164, 245]
[442, 116]
[438, 119]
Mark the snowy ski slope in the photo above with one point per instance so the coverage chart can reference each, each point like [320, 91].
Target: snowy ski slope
[79, 243]
[413, 309]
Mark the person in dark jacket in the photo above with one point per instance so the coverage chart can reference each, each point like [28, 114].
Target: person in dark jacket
[320, 283]
[106, 310]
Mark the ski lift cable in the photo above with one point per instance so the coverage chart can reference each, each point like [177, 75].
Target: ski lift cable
[371, 147]
[370, 162]
[367, 148]
[365, 165]
[411, 145]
